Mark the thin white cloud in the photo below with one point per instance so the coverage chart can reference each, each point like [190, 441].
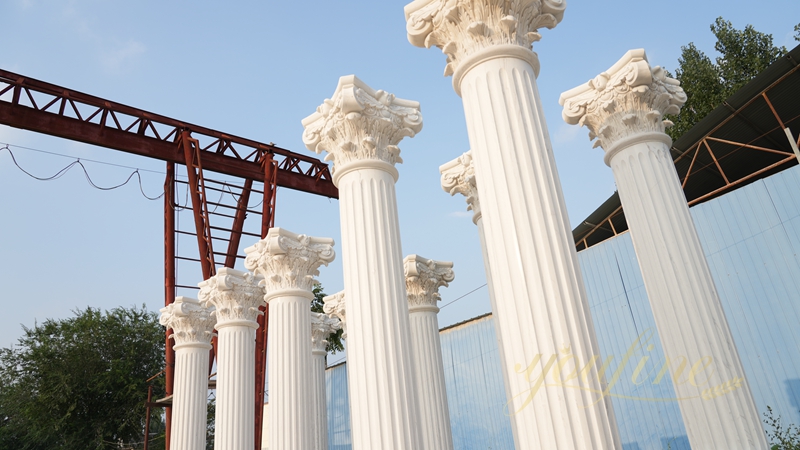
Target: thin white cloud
[460, 214]
[122, 56]
[568, 133]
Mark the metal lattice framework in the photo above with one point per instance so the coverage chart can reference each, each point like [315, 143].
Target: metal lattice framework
[753, 134]
[46, 108]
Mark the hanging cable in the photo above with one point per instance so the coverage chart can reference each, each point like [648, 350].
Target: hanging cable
[459, 298]
[78, 162]
[449, 303]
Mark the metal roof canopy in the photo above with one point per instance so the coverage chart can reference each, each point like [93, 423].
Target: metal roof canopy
[741, 141]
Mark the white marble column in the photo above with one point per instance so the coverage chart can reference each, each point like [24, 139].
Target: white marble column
[624, 109]
[322, 326]
[193, 327]
[236, 296]
[424, 277]
[289, 262]
[360, 129]
[541, 310]
[458, 177]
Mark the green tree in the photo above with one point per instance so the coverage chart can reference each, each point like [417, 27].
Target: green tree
[335, 339]
[80, 383]
[743, 54]
[781, 437]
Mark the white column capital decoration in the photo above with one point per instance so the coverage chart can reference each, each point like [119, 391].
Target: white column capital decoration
[458, 177]
[334, 306]
[288, 261]
[191, 322]
[464, 29]
[360, 126]
[627, 101]
[322, 326]
[236, 296]
[424, 277]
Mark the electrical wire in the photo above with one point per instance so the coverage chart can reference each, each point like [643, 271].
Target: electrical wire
[449, 303]
[85, 159]
[459, 298]
[226, 185]
[78, 162]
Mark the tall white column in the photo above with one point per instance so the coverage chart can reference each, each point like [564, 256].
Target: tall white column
[288, 262]
[322, 326]
[624, 109]
[236, 296]
[424, 277]
[193, 328]
[360, 128]
[458, 177]
[541, 310]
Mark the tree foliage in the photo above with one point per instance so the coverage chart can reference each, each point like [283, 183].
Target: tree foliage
[80, 383]
[781, 437]
[335, 339]
[743, 54]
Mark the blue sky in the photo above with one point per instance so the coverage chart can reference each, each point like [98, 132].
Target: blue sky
[255, 69]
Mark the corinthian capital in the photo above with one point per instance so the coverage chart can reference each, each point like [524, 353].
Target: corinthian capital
[424, 277]
[461, 28]
[458, 177]
[191, 322]
[322, 326]
[287, 260]
[235, 294]
[360, 124]
[334, 306]
[628, 99]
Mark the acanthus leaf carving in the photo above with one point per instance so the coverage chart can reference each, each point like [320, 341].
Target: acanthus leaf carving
[628, 99]
[461, 28]
[190, 321]
[334, 306]
[236, 295]
[458, 177]
[424, 277]
[322, 326]
[287, 260]
[359, 123]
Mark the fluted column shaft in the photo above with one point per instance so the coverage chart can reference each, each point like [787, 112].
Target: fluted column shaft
[236, 296]
[235, 414]
[322, 326]
[193, 326]
[541, 311]
[541, 302]
[686, 306]
[361, 128]
[431, 394]
[624, 108]
[424, 277]
[319, 403]
[458, 177]
[290, 372]
[288, 262]
[383, 408]
[190, 397]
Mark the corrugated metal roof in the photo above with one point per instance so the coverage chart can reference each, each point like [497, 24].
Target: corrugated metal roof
[745, 119]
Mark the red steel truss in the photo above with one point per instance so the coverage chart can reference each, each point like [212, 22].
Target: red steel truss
[46, 108]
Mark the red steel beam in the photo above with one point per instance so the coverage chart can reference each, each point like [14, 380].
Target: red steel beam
[267, 221]
[197, 193]
[238, 223]
[169, 284]
[106, 124]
